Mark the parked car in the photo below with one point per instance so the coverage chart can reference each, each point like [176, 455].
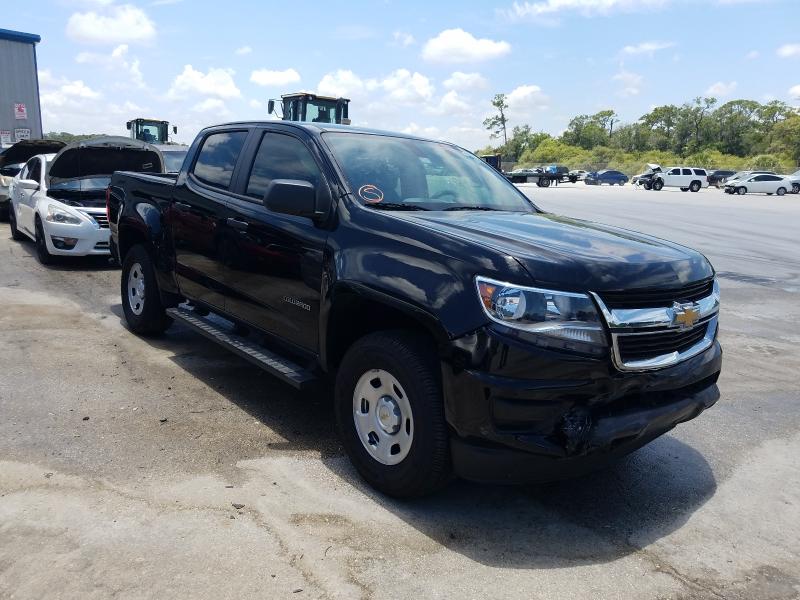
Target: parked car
[760, 184]
[14, 158]
[686, 178]
[436, 302]
[745, 174]
[795, 179]
[59, 200]
[578, 174]
[645, 178]
[718, 177]
[606, 176]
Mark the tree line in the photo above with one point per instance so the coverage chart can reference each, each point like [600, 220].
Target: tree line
[736, 135]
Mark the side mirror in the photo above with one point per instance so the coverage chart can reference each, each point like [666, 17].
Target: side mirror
[128, 125]
[270, 107]
[28, 184]
[296, 197]
[175, 130]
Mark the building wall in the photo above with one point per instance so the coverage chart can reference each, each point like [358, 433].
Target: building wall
[19, 84]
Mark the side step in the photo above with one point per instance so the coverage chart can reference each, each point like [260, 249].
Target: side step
[272, 363]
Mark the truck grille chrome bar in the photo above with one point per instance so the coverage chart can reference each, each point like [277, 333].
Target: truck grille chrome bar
[656, 337]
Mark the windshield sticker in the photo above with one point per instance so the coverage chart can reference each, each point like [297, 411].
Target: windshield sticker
[370, 194]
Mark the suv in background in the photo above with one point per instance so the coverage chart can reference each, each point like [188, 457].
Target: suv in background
[719, 177]
[685, 178]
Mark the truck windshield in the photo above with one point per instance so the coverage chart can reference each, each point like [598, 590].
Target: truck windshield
[321, 111]
[400, 173]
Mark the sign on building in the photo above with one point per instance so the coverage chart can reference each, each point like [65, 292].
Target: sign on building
[22, 134]
[20, 111]
[5, 136]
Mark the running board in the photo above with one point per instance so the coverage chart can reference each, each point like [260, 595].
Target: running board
[272, 363]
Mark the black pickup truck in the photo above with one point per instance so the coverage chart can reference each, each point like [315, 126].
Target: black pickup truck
[466, 332]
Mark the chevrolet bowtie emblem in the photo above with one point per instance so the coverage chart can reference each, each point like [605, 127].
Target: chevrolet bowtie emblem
[684, 315]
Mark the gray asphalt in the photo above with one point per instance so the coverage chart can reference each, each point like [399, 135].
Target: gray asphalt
[121, 458]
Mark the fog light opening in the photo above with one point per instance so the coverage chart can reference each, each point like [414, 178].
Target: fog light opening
[63, 243]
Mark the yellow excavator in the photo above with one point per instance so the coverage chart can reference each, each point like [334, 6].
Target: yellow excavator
[311, 108]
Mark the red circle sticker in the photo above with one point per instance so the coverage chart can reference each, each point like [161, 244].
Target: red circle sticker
[371, 194]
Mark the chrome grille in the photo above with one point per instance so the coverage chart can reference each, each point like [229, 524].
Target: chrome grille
[658, 336]
[102, 220]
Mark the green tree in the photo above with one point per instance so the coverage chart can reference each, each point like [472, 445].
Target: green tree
[522, 139]
[497, 123]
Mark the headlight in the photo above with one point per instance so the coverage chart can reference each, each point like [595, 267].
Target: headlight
[558, 317]
[59, 215]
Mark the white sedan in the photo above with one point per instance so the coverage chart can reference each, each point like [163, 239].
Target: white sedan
[59, 200]
[759, 184]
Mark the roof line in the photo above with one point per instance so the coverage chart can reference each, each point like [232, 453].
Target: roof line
[19, 36]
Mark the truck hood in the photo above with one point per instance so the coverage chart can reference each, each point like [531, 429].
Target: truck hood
[102, 156]
[571, 254]
[23, 151]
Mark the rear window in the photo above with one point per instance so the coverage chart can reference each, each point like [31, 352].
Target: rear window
[217, 158]
[687, 171]
[700, 172]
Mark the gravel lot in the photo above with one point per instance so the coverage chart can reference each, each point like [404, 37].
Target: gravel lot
[123, 460]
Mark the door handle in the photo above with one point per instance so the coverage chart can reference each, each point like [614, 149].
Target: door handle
[182, 205]
[236, 224]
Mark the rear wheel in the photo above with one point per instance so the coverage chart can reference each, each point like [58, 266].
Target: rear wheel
[12, 223]
[684, 189]
[781, 191]
[545, 182]
[647, 186]
[658, 185]
[796, 188]
[42, 253]
[695, 186]
[741, 190]
[141, 300]
[390, 413]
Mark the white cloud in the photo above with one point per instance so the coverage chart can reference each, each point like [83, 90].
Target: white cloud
[631, 83]
[404, 39]
[752, 55]
[114, 25]
[117, 61]
[789, 51]
[256, 104]
[217, 82]
[522, 10]
[414, 129]
[405, 87]
[721, 89]
[525, 101]
[450, 104]
[214, 105]
[794, 92]
[648, 48]
[457, 45]
[341, 83]
[265, 77]
[244, 50]
[465, 81]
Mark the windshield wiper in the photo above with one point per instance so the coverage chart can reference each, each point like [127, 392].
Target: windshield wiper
[471, 208]
[395, 206]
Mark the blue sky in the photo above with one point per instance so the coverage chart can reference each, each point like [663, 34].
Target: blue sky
[424, 67]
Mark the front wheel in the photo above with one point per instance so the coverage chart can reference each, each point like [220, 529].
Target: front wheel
[390, 414]
[647, 186]
[545, 182]
[741, 190]
[42, 252]
[658, 185]
[141, 300]
[781, 191]
[796, 188]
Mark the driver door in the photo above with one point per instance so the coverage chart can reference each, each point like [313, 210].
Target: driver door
[26, 201]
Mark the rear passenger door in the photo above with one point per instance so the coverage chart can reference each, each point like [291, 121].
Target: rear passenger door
[198, 216]
[275, 271]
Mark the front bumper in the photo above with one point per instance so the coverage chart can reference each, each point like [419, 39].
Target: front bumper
[524, 414]
[92, 239]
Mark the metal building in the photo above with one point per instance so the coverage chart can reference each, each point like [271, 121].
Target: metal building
[20, 113]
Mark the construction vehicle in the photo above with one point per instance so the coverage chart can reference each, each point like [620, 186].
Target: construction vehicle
[152, 131]
[494, 160]
[305, 106]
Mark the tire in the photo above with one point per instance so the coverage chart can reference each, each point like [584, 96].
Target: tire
[658, 185]
[781, 191]
[394, 358]
[545, 182]
[796, 188]
[741, 190]
[647, 186]
[42, 253]
[16, 235]
[684, 189]
[142, 306]
[695, 186]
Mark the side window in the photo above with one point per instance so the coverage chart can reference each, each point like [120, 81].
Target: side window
[280, 157]
[771, 178]
[675, 172]
[759, 178]
[24, 173]
[700, 172]
[35, 170]
[687, 171]
[217, 158]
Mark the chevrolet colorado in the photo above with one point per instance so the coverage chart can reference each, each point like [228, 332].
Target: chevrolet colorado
[467, 332]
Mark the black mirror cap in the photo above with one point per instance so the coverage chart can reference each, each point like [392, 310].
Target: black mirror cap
[297, 197]
[270, 107]
[175, 129]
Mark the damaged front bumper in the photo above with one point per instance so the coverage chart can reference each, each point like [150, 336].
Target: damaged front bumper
[520, 413]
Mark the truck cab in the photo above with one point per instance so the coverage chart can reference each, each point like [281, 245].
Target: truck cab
[151, 131]
[308, 107]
